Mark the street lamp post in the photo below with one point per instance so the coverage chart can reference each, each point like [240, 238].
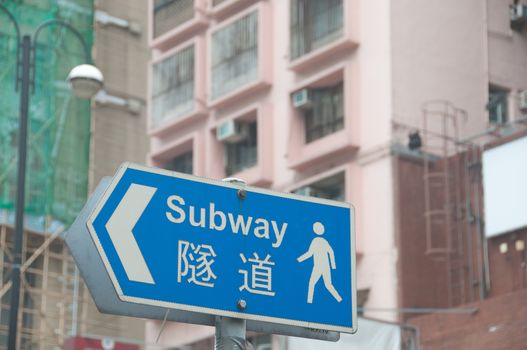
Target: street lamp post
[85, 81]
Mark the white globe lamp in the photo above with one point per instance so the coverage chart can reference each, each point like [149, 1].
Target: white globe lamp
[85, 80]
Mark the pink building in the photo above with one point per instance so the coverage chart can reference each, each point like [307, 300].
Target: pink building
[316, 96]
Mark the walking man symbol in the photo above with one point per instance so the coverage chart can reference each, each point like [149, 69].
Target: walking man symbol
[323, 263]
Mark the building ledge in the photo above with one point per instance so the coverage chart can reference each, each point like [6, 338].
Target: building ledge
[329, 146]
[244, 91]
[314, 58]
[227, 8]
[180, 33]
[169, 126]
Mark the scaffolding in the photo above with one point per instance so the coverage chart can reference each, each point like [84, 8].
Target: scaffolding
[54, 302]
[59, 125]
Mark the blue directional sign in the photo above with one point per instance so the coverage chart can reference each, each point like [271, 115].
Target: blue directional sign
[179, 241]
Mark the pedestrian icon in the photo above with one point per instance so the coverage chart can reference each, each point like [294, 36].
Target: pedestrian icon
[323, 263]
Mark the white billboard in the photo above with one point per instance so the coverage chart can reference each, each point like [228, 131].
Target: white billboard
[505, 187]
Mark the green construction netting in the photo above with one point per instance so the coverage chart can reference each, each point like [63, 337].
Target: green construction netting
[59, 132]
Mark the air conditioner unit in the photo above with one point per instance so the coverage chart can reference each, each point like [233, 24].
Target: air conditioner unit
[518, 14]
[302, 99]
[523, 100]
[232, 132]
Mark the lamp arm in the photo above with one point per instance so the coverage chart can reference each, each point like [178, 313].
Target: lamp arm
[45, 24]
[17, 29]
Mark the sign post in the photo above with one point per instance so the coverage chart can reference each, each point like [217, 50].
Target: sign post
[231, 332]
[208, 249]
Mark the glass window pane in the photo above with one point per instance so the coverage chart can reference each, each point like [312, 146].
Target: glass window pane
[332, 187]
[314, 23]
[181, 163]
[327, 114]
[497, 105]
[242, 155]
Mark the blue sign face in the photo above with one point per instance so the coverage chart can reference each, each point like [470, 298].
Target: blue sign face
[189, 243]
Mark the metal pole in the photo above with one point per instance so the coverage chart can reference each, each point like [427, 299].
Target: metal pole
[20, 192]
[231, 332]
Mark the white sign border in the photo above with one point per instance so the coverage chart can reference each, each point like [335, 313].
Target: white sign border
[220, 312]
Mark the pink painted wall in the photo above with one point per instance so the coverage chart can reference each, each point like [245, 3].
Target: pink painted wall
[439, 53]
[393, 57]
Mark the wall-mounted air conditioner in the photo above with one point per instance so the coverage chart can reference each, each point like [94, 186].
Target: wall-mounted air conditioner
[302, 99]
[518, 14]
[232, 132]
[523, 100]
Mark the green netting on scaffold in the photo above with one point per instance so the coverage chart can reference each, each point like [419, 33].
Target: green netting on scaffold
[59, 131]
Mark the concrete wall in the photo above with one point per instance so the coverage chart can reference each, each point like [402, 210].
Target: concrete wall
[118, 135]
[439, 53]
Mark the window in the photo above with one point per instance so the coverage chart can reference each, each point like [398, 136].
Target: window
[173, 86]
[326, 115]
[314, 23]
[329, 188]
[181, 163]
[235, 55]
[169, 14]
[497, 105]
[242, 155]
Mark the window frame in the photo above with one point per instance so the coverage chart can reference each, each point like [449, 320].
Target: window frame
[301, 155]
[261, 174]
[310, 22]
[310, 116]
[230, 148]
[193, 142]
[342, 45]
[504, 101]
[180, 33]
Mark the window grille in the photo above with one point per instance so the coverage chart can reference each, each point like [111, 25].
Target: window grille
[332, 187]
[173, 87]
[169, 14]
[314, 23]
[327, 114]
[235, 55]
[243, 154]
[497, 105]
[217, 2]
[181, 163]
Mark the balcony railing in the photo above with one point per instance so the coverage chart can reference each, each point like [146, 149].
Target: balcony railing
[169, 14]
[235, 55]
[315, 23]
[173, 87]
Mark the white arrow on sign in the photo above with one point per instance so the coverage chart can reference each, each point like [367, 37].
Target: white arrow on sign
[120, 226]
